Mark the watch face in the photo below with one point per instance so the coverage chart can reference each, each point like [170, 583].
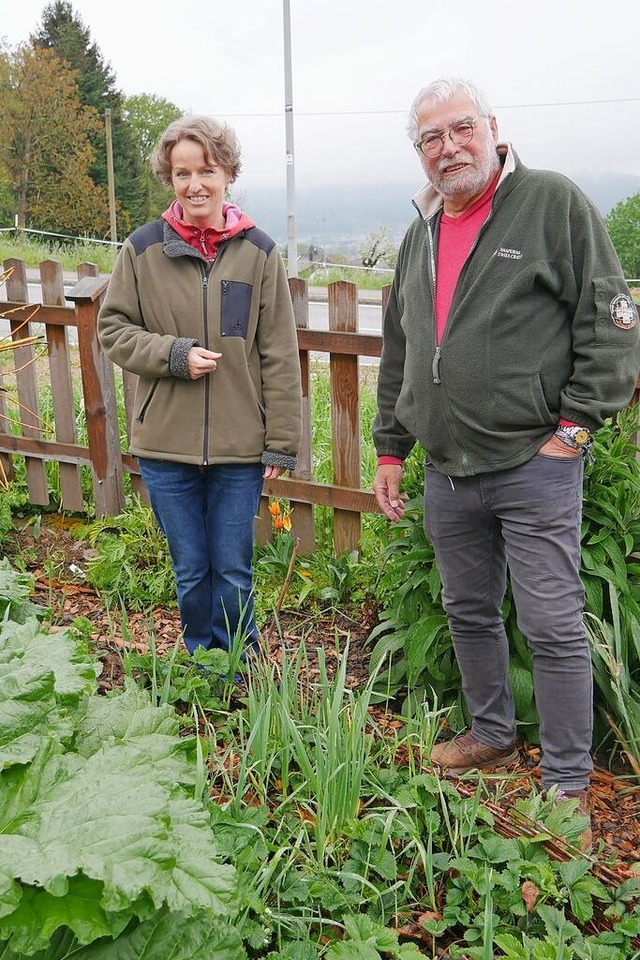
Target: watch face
[581, 435]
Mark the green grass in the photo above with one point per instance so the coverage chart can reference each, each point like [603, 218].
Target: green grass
[319, 276]
[35, 252]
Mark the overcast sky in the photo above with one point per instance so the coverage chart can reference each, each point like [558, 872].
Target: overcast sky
[563, 76]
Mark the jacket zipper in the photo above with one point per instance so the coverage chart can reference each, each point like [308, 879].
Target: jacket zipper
[435, 363]
[207, 382]
[206, 271]
[147, 401]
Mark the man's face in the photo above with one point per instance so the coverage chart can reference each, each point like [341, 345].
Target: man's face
[459, 172]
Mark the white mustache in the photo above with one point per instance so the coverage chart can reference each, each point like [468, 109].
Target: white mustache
[461, 158]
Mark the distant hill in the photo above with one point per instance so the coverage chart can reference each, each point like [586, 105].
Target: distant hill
[339, 216]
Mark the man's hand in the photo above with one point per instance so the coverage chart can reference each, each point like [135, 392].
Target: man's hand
[200, 362]
[386, 487]
[554, 447]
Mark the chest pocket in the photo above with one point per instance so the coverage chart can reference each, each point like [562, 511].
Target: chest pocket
[235, 308]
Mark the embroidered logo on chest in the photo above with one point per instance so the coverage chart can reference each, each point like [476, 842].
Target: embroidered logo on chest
[508, 253]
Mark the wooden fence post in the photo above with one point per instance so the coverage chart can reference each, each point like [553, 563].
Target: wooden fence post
[99, 396]
[52, 285]
[26, 380]
[303, 514]
[345, 413]
[302, 517]
[6, 462]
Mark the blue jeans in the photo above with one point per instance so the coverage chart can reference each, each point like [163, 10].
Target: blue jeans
[527, 520]
[207, 515]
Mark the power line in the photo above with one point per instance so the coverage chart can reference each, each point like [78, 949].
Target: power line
[364, 113]
[502, 106]
[567, 103]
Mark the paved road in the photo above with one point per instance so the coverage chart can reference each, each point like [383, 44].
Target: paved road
[369, 309]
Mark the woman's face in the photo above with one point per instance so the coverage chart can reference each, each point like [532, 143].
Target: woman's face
[199, 186]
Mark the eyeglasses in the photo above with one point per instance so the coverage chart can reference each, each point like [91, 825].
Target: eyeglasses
[459, 133]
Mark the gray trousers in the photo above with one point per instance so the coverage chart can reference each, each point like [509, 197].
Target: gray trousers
[527, 520]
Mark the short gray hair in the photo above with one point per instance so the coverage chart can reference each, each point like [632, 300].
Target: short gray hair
[442, 90]
[218, 140]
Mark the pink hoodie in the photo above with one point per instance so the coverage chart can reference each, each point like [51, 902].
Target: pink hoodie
[207, 242]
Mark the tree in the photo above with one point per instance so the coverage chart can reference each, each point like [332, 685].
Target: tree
[65, 33]
[623, 224]
[45, 145]
[148, 116]
[7, 201]
[377, 248]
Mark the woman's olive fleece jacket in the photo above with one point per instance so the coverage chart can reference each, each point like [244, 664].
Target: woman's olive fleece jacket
[162, 299]
[542, 326]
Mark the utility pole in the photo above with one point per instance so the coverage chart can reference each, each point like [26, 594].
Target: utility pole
[110, 177]
[292, 244]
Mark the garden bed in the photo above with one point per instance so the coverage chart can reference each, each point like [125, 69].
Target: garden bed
[56, 560]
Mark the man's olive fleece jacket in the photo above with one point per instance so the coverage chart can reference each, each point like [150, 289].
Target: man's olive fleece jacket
[541, 326]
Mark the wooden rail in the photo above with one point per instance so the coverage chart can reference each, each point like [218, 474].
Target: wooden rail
[105, 455]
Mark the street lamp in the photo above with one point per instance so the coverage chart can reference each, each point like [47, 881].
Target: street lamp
[292, 245]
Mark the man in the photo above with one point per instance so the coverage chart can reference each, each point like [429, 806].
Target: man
[509, 337]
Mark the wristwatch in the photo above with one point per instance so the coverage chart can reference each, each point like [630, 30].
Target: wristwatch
[577, 437]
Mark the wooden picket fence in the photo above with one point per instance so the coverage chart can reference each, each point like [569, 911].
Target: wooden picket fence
[104, 452]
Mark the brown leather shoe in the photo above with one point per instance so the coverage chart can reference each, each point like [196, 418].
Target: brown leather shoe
[585, 841]
[465, 753]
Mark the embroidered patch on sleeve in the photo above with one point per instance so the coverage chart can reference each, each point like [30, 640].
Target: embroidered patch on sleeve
[623, 312]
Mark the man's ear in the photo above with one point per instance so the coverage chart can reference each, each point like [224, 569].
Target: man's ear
[494, 127]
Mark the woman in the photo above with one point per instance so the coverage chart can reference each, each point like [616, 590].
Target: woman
[198, 307]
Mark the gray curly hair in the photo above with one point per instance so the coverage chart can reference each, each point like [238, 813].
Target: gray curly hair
[442, 90]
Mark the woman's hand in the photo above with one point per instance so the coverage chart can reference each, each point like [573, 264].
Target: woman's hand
[272, 473]
[200, 362]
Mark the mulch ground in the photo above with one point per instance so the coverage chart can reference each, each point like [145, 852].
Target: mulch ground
[49, 553]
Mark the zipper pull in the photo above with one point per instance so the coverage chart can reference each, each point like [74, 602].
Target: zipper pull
[435, 365]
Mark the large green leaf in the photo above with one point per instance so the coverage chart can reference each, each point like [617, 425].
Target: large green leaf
[40, 914]
[117, 819]
[125, 716]
[29, 646]
[42, 678]
[15, 590]
[423, 647]
[171, 937]
[29, 714]
[521, 681]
